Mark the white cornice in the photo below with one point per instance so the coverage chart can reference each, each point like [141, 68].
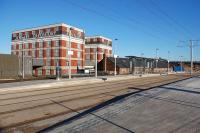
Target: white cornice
[54, 38]
[99, 46]
[92, 37]
[48, 26]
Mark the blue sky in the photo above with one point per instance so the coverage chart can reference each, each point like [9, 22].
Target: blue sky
[141, 26]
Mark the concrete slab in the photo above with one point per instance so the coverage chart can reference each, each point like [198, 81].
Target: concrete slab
[167, 109]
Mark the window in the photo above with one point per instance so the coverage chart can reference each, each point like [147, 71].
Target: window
[78, 45]
[48, 63]
[39, 72]
[48, 52]
[40, 44]
[14, 35]
[40, 53]
[87, 50]
[33, 32]
[47, 72]
[33, 53]
[79, 54]
[40, 31]
[48, 30]
[95, 49]
[79, 63]
[79, 34]
[48, 44]
[56, 62]
[87, 56]
[25, 53]
[57, 44]
[20, 34]
[20, 53]
[26, 46]
[20, 46]
[33, 45]
[56, 29]
[14, 47]
[56, 52]
[67, 44]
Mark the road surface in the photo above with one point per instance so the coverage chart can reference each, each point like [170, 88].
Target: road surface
[31, 108]
[173, 108]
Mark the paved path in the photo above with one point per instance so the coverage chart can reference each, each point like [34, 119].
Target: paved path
[50, 83]
[173, 108]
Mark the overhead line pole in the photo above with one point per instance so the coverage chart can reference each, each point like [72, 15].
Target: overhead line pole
[191, 45]
[168, 62]
[191, 57]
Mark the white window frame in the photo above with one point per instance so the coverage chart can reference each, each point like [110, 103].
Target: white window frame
[78, 54]
[33, 32]
[26, 53]
[48, 52]
[14, 34]
[33, 53]
[33, 45]
[48, 63]
[20, 46]
[40, 44]
[41, 53]
[56, 52]
[48, 44]
[57, 43]
[48, 71]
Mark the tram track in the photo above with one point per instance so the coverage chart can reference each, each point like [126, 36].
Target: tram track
[122, 86]
[92, 91]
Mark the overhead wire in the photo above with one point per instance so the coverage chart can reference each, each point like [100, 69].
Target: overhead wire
[112, 18]
[158, 8]
[163, 18]
[126, 17]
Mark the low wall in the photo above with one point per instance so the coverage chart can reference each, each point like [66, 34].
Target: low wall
[9, 66]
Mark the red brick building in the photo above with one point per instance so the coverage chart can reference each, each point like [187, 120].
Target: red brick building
[49, 45]
[101, 44]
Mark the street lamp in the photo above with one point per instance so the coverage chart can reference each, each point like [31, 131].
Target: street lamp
[96, 62]
[181, 63]
[191, 57]
[57, 70]
[191, 46]
[22, 60]
[115, 56]
[157, 57]
[70, 52]
[168, 61]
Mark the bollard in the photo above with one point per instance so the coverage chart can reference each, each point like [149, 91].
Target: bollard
[104, 79]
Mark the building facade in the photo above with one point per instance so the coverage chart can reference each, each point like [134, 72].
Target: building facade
[99, 44]
[49, 46]
[122, 65]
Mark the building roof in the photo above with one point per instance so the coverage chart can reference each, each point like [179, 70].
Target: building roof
[120, 62]
[137, 57]
[89, 37]
[47, 26]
